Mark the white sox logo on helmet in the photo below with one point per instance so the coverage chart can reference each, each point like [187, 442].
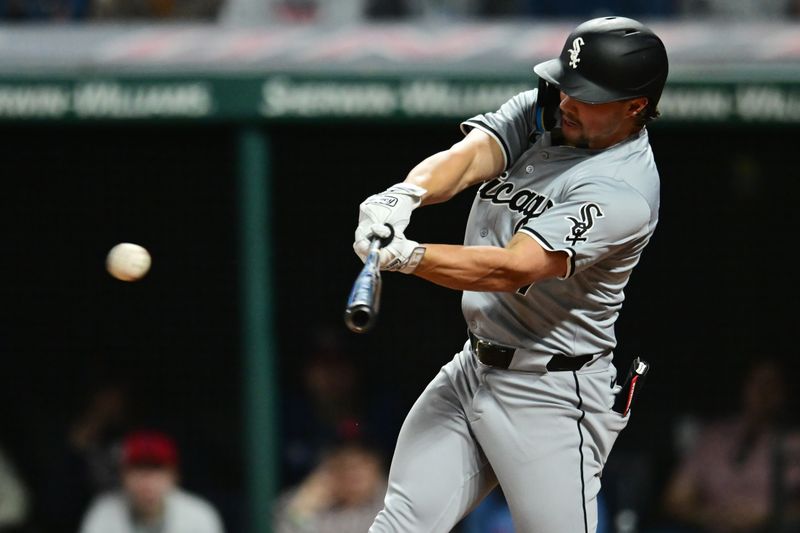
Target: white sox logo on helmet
[574, 51]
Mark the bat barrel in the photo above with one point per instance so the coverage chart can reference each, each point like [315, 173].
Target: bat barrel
[362, 305]
[364, 300]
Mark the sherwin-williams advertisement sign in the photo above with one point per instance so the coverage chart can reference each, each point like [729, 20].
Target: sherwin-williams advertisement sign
[315, 97]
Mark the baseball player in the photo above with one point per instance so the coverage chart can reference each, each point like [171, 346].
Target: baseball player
[568, 200]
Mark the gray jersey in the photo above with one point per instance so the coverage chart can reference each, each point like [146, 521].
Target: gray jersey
[542, 433]
[598, 206]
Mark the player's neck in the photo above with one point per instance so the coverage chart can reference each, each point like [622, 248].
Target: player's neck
[603, 144]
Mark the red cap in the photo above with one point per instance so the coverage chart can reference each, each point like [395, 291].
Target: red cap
[149, 448]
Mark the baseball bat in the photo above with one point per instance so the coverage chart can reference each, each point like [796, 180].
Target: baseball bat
[363, 302]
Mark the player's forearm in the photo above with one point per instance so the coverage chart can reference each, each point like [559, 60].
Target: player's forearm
[442, 175]
[474, 268]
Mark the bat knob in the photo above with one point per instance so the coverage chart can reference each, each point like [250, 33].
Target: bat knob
[386, 240]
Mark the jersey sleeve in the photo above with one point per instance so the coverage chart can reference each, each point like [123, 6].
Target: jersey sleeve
[511, 125]
[593, 219]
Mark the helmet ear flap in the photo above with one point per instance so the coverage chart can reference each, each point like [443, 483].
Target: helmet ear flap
[547, 101]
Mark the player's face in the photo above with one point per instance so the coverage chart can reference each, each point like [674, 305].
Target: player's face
[598, 125]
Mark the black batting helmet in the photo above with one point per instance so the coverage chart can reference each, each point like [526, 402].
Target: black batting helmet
[608, 59]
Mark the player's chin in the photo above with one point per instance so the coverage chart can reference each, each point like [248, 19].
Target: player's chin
[572, 136]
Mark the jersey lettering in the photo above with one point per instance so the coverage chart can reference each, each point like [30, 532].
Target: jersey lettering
[581, 226]
[527, 202]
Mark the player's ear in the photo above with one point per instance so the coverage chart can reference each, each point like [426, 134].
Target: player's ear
[636, 106]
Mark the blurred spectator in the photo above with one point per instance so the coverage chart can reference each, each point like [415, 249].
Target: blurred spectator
[599, 8]
[741, 10]
[296, 10]
[14, 497]
[449, 9]
[437, 9]
[150, 500]
[44, 10]
[324, 11]
[328, 12]
[342, 495]
[519, 8]
[79, 10]
[155, 9]
[387, 9]
[85, 463]
[331, 404]
[743, 473]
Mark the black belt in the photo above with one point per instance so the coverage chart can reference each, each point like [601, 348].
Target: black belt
[500, 356]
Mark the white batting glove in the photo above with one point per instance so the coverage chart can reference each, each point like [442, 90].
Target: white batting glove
[401, 254]
[392, 206]
[361, 246]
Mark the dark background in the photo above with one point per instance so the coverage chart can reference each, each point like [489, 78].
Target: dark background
[713, 292]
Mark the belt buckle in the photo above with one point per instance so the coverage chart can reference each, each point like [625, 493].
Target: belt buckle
[489, 349]
[483, 344]
[492, 354]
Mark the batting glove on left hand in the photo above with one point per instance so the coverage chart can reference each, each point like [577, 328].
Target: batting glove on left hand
[401, 254]
[393, 206]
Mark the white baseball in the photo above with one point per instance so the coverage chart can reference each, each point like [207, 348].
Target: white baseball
[128, 262]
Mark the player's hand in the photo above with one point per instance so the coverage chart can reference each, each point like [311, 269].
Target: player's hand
[361, 246]
[393, 206]
[400, 254]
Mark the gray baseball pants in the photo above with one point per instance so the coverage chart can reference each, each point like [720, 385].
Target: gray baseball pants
[543, 436]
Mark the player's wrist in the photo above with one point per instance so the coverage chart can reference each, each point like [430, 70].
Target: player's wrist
[414, 259]
[409, 189]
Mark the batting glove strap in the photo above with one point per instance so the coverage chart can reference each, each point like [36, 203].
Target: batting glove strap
[401, 255]
[413, 262]
[415, 191]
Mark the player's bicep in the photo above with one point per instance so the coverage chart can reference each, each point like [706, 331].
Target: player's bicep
[484, 154]
[510, 126]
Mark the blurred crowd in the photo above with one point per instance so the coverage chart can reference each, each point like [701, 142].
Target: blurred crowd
[353, 11]
[119, 462]
[733, 472]
[104, 475]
